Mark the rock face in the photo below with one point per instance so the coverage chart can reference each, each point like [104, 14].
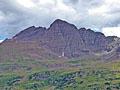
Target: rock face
[94, 41]
[64, 37]
[66, 40]
[30, 33]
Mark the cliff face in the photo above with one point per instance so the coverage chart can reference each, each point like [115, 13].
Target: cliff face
[66, 40]
[30, 33]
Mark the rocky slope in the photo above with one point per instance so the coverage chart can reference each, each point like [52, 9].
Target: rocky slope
[63, 39]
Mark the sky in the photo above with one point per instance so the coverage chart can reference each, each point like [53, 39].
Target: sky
[99, 15]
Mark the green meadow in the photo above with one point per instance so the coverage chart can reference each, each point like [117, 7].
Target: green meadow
[60, 75]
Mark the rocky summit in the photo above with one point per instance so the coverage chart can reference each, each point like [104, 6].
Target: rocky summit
[61, 40]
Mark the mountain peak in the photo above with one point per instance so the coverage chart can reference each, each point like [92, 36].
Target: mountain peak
[62, 23]
[63, 37]
[59, 21]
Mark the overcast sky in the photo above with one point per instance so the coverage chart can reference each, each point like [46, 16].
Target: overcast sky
[99, 15]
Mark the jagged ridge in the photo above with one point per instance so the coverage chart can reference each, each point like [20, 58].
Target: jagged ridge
[66, 40]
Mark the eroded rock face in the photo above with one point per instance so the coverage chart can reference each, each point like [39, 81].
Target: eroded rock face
[66, 40]
[118, 50]
[94, 41]
[64, 37]
[31, 33]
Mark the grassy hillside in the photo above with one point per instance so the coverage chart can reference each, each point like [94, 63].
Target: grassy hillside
[60, 75]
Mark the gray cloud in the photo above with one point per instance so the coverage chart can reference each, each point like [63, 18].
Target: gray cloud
[71, 1]
[95, 14]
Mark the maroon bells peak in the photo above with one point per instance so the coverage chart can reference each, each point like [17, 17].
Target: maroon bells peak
[63, 39]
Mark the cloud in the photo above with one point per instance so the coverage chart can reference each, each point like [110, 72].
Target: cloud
[111, 31]
[15, 15]
[1, 41]
[1, 16]
[26, 3]
[71, 1]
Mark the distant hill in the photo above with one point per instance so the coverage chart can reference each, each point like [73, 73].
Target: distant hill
[60, 40]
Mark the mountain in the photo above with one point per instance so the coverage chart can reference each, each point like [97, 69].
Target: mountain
[62, 40]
